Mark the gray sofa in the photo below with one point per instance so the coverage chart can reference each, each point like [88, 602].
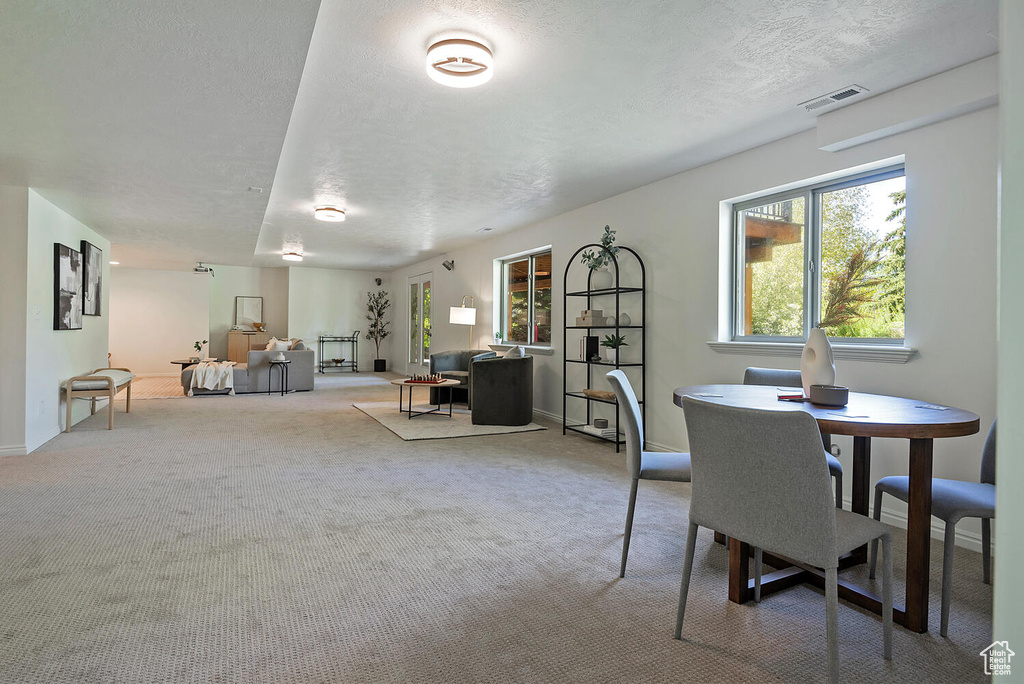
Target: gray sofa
[456, 365]
[502, 391]
[255, 376]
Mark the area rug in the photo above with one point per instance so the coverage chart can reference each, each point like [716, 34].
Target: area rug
[154, 387]
[435, 426]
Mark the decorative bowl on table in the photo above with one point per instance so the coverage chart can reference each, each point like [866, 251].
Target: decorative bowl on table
[833, 396]
[279, 356]
[338, 361]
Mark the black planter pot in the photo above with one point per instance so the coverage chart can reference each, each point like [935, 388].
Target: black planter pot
[380, 365]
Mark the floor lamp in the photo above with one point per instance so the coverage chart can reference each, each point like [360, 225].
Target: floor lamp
[464, 315]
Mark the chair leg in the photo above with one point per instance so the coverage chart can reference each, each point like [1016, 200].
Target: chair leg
[67, 420]
[684, 585]
[887, 596]
[986, 550]
[839, 490]
[757, 575]
[128, 398]
[629, 525]
[832, 623]
[874, 542]
[110, 412]
[92, 406]
[947, 574]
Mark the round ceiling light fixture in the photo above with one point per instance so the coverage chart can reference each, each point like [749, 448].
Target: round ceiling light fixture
[332, 214]
[460, 63]
[291, 256]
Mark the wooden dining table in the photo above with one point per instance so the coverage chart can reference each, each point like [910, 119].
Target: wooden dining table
[864, 417]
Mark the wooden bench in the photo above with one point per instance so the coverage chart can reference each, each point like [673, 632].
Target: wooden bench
[103, 382]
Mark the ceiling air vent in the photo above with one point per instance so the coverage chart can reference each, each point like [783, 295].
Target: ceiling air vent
[832, 98]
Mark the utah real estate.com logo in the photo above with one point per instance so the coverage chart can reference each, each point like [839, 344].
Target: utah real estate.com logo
[997, 658]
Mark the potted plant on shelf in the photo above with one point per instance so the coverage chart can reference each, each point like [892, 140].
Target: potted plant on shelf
[612, 343]
[597, 261]
[376, 307]
[497, 337]
[198, 346]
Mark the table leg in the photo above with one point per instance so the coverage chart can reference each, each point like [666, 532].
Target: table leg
[861, 489]
[739, 571]
[449, 402]
[919, 518]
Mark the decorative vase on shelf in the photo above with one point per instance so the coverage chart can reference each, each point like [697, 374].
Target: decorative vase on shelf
[817, 366]
[611, 355]
[624, 319]
[601, 279]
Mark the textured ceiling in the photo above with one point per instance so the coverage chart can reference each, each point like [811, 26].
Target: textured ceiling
[150, 123]
[590, 98]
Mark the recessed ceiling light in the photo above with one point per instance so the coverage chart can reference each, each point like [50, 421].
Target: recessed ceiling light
[291, 256]
[460, 63]
[115, 263]
[333, 214]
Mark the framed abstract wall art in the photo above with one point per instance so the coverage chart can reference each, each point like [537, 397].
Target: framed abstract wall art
[67, 288]
[92, 278]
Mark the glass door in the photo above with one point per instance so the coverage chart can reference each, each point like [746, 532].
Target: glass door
[419, 323]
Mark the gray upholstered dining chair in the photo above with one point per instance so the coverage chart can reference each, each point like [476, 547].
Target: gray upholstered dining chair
[758, 476]
[791, 378]
[642, 465]
[951, 501]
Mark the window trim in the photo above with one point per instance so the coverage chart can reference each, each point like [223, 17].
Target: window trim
[501, 291]
[811, 193]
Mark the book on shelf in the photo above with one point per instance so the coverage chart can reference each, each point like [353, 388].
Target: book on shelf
[608, 433]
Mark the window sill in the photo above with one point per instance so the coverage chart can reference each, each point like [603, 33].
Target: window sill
[850, 352]
[534, 351]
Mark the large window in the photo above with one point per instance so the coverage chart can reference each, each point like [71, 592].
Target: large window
[526, 299]
[830, 255]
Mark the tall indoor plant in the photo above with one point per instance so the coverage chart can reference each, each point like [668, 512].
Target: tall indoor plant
[377, 304]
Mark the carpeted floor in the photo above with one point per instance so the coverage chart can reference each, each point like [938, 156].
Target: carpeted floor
[295, 539]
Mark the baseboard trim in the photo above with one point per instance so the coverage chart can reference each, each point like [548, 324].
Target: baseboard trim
[13, 450]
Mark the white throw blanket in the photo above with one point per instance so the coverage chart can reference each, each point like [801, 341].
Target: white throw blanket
[213, 375]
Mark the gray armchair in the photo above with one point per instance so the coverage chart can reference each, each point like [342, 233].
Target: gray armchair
[456, 365]
[791, 378]
[642, 465]
[502, 391]
[759, 476]
[951, 501]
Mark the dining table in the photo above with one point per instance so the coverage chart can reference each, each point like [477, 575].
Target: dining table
[864, 416]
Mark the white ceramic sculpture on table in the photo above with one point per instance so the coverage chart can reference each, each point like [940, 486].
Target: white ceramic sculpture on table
[817, 367]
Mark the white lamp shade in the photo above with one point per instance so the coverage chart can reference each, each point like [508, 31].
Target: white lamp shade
[462, 315]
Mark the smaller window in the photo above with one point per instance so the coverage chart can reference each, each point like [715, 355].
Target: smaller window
[526, 299]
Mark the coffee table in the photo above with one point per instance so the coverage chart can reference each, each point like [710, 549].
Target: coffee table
[185, 363]
[405, 382]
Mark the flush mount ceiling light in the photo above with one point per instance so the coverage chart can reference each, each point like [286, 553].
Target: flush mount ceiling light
[291, 256]
[460, 63]
[333, 214]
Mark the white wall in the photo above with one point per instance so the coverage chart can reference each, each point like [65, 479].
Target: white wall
[244, 281]
[53, 356]
[13, 317]
[156, 317]
[1009, 593]
[674, 225]
[333, 302]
